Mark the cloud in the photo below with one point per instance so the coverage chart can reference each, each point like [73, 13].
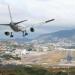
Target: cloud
[62, 10]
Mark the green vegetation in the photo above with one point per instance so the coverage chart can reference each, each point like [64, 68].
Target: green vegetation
[41, 71]
[7, 57]
[31, 71]
[24, 70]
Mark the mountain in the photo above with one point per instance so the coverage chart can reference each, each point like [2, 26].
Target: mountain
[66, 35]
[58, 36]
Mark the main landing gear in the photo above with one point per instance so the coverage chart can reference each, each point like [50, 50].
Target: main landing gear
[25, 33]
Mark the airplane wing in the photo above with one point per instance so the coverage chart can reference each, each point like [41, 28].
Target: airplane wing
[20, 22]
[14, 23]
[5, 24]
[44, 22]
[47, 21]
[28, 26]
[41, 23]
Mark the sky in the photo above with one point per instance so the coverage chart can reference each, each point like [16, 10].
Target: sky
[35, 11]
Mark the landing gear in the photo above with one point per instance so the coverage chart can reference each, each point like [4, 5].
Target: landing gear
[11, 34]
[25, 33]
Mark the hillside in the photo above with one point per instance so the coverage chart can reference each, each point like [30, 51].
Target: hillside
[58, 36]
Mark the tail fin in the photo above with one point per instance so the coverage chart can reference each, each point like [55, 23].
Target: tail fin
[10, 13]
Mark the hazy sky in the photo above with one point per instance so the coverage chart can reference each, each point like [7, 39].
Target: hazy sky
[63, 11]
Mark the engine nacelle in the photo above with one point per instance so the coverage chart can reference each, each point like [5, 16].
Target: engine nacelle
[32, 29]
[7, 33]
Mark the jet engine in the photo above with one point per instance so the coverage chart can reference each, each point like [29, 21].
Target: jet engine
[7, 33]
[32, 29]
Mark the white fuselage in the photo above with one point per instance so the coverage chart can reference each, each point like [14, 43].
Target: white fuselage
[16, 28]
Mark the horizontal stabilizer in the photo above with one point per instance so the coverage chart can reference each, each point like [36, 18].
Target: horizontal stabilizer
[4, 24]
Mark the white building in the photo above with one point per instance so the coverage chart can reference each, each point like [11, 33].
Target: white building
[20, 52]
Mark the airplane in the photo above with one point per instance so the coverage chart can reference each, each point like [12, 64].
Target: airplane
[15, 26]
